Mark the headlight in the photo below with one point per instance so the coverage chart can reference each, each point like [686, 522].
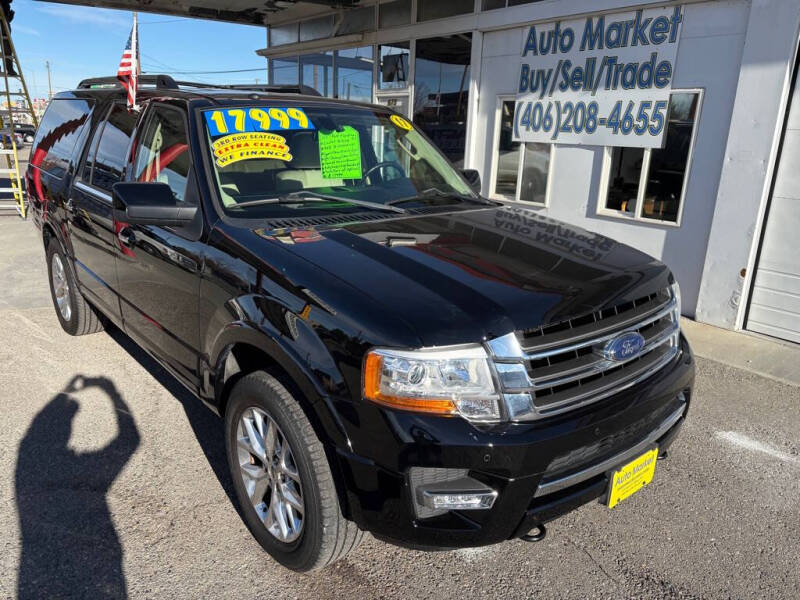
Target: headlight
[454, 381]
[676, 293]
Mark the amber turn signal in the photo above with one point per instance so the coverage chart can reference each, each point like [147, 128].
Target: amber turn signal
[372, 391]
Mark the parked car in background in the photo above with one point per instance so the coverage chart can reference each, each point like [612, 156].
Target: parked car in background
[390, 352]
[5, 138]
[26, 131]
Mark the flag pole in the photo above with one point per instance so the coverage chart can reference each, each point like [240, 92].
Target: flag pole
[135, 59]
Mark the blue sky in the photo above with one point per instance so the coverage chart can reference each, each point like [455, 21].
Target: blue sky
[84, 42]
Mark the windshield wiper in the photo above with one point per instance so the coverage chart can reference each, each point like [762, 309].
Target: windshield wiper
[307, 196]
[437, 193]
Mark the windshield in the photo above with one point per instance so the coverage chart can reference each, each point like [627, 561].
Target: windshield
[278, 161]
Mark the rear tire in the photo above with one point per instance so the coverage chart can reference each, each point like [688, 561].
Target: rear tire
[259, 404]
[76, 315]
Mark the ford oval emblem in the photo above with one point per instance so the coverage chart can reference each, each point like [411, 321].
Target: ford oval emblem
[624, 347]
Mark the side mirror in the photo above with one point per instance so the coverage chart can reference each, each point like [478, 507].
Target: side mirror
[473, 177]
[149, 204]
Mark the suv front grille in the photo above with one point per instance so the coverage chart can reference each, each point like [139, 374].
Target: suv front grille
[559, 367]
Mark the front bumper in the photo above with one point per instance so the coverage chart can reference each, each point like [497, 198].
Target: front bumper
[541, 469]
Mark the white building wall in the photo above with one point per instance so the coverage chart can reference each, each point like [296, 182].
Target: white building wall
[709, 56]
[760, 104]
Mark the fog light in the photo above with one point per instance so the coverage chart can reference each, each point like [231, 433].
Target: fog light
[466, 501]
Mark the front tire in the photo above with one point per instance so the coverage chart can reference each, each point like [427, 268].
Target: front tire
[76, 315]
[282, 478]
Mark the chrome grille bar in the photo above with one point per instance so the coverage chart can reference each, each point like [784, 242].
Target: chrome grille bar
[594, 339]
[567, 366]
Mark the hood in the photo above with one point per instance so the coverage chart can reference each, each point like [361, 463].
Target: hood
[478, 274]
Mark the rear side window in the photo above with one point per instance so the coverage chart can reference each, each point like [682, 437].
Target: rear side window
[58, 133]
[108, 151]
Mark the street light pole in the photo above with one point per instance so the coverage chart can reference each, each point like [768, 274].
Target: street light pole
[49, 83]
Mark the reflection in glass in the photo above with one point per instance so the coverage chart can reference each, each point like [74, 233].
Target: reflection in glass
[507, 154]
[535, 167]
[316, 71]
[110, 157]
[164, 151]
[354, 73]
[439, 9]
[667, 172]
[283, 71]
[441, 91]
[626, 170]
[58, 133]
[393, 68]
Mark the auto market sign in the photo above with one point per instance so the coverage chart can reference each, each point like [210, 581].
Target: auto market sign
[602, 80]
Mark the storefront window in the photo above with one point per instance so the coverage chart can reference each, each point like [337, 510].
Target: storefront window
[623, 188]
[492, 4]
[506, 156]
[650, 184]
[441, 91]
[439, 9]
[518, 177]
[354, 73]
[316, 71]
[283, 71]
[668, 165]
[535, 168]
[393, 68]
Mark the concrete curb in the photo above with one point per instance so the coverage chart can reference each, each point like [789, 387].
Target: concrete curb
[750, 352]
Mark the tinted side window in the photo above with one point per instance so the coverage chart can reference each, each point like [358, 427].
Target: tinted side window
[58, 132]
[110, 155]
[164, 151]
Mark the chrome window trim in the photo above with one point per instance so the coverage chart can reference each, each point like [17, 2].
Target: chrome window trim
[99, 194]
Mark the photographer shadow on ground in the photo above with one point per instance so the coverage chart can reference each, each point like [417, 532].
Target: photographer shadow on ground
[70, 547]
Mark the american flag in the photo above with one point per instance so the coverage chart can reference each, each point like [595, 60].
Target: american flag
[128, 72]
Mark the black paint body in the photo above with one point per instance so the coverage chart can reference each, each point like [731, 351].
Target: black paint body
[219, 297]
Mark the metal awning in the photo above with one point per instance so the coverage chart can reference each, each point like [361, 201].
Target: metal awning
[247, 12]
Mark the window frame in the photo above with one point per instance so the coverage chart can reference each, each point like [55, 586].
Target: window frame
[495, 154]
[605, 173]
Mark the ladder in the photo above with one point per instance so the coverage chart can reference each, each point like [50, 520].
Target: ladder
[12, 198]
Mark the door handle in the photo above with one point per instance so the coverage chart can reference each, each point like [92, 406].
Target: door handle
[126, 237]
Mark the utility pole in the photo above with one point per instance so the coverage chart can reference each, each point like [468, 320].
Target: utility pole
[49, 83]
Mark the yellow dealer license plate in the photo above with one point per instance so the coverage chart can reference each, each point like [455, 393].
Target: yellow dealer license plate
[630, 478]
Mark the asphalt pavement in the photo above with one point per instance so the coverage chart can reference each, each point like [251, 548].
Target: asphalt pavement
[113, 483]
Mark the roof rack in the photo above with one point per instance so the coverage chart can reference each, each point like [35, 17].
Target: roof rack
[159, 81]
[277, 88]
[165, 82]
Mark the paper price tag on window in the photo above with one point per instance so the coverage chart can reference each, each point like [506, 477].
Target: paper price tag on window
[340, 154]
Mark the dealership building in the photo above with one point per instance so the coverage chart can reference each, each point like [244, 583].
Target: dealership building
[672, 127]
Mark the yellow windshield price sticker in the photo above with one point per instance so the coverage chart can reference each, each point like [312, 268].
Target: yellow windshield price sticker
[632, 477]
[400, 122]
[340, 154]
[246, 146]
[261, 118]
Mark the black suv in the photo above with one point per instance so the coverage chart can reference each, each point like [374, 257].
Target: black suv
[390, 351]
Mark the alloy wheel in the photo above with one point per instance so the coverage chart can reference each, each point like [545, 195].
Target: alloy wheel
[270, 475]
[61, 287]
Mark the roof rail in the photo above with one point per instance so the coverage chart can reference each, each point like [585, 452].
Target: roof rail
[159, 81]
[168, 83]
[277, 88]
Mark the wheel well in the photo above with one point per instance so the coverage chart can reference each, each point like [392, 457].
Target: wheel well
[241, 359]
[47, 235]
